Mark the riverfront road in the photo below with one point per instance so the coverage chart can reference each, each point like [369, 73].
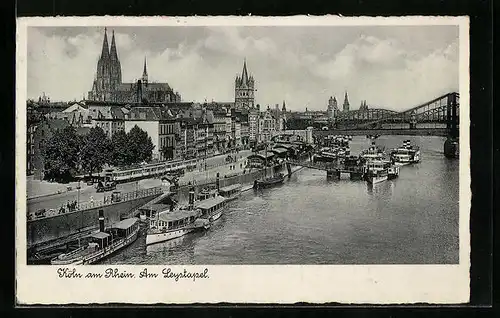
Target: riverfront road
[88, 193]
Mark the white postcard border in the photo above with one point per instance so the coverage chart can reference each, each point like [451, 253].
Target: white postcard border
[376, 284]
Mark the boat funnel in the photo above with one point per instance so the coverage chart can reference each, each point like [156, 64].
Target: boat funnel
[101, 220]
[217, 182]
[191, 198]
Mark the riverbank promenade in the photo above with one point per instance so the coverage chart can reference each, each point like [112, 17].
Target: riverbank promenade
[51, 195]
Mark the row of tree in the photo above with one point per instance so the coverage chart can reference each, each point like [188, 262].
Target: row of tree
[66, 153]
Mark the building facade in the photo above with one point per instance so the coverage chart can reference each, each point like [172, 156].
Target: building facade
[110, 119]
[267, 126]
[167, 136]
[147, 119]
[108, 85]
[253, 125]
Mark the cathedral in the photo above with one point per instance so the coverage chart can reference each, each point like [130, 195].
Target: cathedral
[108, 85]
[244, 89]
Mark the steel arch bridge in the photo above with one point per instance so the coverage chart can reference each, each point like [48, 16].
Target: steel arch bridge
[442, 111]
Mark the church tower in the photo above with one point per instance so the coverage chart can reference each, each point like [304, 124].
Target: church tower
[346, 103]
[332, 109]
[244, 89]
[115, 67]
[103, 71]
[144, 78]
[108, 75]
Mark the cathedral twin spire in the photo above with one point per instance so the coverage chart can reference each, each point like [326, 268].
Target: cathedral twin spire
[109, 73]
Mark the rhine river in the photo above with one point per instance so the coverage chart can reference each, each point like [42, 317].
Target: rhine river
[311, 220]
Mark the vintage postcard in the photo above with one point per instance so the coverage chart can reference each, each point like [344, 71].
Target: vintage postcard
[179, 160]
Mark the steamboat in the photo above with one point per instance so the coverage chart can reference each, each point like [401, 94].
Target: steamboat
[380, 170]
[231, 192]
[406, 154]
[211, 209]
[270, 181]
[101, 244]
[373, 153]
[175, 222]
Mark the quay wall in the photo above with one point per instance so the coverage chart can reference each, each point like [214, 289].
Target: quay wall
[244, 179]
[247, 178]
[40, 231]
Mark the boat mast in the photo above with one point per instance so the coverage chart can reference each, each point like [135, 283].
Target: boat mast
[265, 154]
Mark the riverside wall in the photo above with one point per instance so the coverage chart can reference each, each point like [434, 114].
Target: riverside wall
[245, 179]
[44, 230]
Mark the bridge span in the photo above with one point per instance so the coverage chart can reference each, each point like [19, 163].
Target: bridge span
[442, 132]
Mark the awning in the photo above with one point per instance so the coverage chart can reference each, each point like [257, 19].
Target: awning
[209, 203]
[100, 235]
[124, 224]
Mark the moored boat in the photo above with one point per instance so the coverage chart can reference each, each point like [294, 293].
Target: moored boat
[175, 222]
[373, 153]
[211, 209]
[101, 244]
[231, 192]
[269, 181]
[393, 172]
[374, 177]
[207, 193]
[406, 154]
[380, 170]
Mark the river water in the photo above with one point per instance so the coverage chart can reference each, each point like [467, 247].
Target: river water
[311, 220]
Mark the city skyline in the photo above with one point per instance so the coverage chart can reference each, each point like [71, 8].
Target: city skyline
[390, 67]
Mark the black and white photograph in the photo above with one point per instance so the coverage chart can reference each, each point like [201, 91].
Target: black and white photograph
[201, 144]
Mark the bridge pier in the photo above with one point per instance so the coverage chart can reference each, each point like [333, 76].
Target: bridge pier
[333, 174]
[289, 169]
[356, 176]
[451, 148]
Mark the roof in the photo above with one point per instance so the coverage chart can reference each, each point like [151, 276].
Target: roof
[157, 207]
[158, 87]
[287, 146]
[208, 203]
[100, 235]
[74, 107]
[231, 187]
[125, 224]
[177, 215]
[279, 150]
[108, 112]
[261, 155]
[144, 113]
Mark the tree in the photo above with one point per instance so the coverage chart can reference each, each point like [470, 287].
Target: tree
[141, 146]
[122, 150]
[95, 151]
[61, 154]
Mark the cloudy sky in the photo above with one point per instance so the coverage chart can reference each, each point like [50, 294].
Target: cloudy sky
[390, 67]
